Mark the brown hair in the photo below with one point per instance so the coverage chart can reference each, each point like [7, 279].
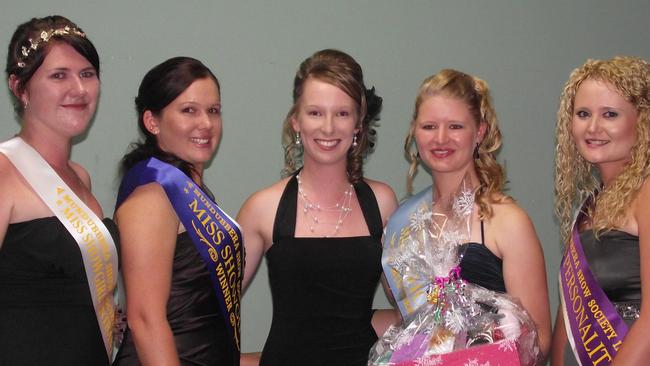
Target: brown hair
[341, 70]
[24, 66]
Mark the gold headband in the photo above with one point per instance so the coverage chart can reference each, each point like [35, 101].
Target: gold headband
[44, 38]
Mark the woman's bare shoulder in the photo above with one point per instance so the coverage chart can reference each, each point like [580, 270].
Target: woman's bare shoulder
[386, 199]
[262, 205]
[266, 196]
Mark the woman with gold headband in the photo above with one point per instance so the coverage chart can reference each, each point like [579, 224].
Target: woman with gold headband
[463, 227]
[320, 228]
[58, 260]
[603, 203]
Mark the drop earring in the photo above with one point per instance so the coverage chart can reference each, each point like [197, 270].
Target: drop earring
[298, 142]
[354, 141]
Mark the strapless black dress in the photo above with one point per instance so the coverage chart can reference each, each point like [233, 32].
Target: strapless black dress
[46, 311]
[478, 265]
[614, 260]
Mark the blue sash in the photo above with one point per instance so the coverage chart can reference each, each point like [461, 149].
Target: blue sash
[409, 296]
[215, 235]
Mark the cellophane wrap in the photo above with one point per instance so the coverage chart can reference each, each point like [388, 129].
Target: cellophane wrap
[441, 312]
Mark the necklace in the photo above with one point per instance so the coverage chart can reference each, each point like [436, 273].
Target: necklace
[311, 210]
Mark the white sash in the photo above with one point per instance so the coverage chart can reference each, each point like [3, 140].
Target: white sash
[95, 242]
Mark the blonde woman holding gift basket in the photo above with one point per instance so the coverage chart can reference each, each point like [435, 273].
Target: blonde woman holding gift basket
[453, 251]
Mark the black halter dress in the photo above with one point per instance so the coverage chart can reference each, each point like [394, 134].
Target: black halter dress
[322, 289]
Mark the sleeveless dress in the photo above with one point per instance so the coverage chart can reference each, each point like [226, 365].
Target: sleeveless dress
[478, 265]
[614, 261]
[193, 313]
[322, 289]
[46, 311]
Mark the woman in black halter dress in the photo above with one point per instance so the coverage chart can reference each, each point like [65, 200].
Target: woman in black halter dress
[321, 228]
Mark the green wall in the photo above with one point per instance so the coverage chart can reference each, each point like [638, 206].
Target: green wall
[525, 51]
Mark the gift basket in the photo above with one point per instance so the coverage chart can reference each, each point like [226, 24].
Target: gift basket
[443, 315]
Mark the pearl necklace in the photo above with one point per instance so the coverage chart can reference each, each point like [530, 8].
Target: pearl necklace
[311, 209]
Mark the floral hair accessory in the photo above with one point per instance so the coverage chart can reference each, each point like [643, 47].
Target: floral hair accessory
[45, 37]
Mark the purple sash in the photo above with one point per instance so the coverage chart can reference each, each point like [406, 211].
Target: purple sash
[595, 330]
[215, 235]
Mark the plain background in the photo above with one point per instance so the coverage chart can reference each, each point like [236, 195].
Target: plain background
[525, 50]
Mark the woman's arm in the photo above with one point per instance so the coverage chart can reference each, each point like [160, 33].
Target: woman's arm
[387, 202]
[524, 271]
[636, 345]
[250, 359]
[252, 238]
[559, 341]
[256, 218]
[386, 199]
[6, 201]
[148, 229]
[384, 318]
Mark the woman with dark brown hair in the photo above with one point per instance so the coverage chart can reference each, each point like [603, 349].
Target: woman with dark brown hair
[58, 261]
[175, 237]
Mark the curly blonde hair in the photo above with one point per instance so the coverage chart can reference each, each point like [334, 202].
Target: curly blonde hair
[475, 94]
[341, 70]
[575, 178]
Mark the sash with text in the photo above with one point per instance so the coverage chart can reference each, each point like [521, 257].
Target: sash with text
[216, 236]
[97, 247]
[595, 330]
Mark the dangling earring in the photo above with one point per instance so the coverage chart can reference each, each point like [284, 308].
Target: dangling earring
[476, 156]
[25, 105]
[354, 141]
[298, 139]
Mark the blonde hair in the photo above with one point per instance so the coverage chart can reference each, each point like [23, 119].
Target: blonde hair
[475, 94]
[341, 70]
[575, 178]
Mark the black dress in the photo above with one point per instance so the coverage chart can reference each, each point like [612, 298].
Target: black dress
[322, 289]
[46, 311]
[193, 313]
[478, 265]
[614, 260]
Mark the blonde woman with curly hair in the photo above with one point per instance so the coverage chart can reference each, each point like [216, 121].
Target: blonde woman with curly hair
[320, 228]
[603, 204]
[455, 131]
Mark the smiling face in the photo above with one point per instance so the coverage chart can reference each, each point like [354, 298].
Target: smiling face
[446, 134]
[61, 97]
[603, 126]
[326, 119]
[190, 126]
